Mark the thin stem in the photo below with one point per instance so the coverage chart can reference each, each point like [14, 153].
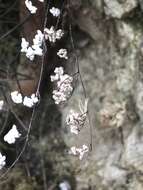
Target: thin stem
[15, 27]
[82, 83]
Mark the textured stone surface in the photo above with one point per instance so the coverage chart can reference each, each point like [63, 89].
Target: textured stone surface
[111, 69]
[118, 8]
[133, 155]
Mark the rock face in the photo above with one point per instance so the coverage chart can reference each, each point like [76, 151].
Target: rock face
[119, 8]
[111, 67]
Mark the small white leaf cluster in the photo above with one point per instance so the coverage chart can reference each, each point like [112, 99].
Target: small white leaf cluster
[10, 138]
[79, 151]
[36, 47]
[1, 104]
[63, 85]
[62, 53]
[30, 101]
[2, 161]
[30, 7]
[76, 120]
[24, 45]
[16, 97]
[26, 101]
[12, 135]
[52, 35]
[55, 11]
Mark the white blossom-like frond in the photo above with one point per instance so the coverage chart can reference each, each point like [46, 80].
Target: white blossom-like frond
[63, 85]
[30, 54]
[30, 7]
[16, 97]
[38, 39]
[36, 48]
[52, 35]
[24, 45]
[62, 53]
[79, 151]
[12, 135]
[76, 120]
[55, 11]
[30, 101]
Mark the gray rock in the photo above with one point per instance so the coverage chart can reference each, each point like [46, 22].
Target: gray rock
[117, 9]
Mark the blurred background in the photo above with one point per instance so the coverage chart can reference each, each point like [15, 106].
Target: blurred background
[105, 39]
